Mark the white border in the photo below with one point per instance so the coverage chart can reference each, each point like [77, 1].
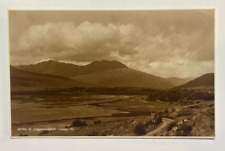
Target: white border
[34, 144]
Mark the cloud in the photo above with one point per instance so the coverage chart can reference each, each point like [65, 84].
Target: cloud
[147, 48]
[85, 42]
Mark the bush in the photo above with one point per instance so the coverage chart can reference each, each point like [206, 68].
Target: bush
[157, 119]
[184, 130]
[166, 111]
[171, 125]
[140, 129]
[97, 122]
[79, 123]
[185, 112]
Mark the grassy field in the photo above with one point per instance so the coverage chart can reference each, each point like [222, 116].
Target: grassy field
[68, 113]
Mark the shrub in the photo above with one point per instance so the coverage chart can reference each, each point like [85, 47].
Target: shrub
[140, 129]
[171, 125]
[157, 119]
[184, 130]
[166, 111]
[97, 122]
[79, 123]
[185, 112]
[149, 123]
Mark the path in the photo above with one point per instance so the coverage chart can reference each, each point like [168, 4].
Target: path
[161, 127]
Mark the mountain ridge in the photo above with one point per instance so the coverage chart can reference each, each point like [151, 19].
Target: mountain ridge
[100, 74]
[104, 74]
[70, 70]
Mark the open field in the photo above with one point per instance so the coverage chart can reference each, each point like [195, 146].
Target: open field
[67, 113]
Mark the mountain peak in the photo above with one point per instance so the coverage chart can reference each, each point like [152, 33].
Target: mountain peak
[48, 61]
[107, 64]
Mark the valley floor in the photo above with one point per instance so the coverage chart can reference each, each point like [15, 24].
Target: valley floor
[109, 115]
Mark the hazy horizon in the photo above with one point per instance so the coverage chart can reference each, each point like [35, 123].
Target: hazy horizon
[166, 43]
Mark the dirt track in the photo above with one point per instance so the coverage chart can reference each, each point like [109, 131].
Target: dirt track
[160, 128]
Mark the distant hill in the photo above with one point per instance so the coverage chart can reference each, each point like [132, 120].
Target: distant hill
[178, 81]
[24, 80]
[124, 77]
[204, 81]
[70, 70]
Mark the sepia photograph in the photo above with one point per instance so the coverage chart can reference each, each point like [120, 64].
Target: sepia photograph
[112, 73]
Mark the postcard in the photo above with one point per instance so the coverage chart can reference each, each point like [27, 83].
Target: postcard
[112, 73]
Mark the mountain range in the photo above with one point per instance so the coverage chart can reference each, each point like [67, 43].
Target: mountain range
[70, 70]
[54, 74]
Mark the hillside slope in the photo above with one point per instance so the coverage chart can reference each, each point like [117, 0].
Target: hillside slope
[24, 80]
[124, 77]
[179, 81]
[206, 80]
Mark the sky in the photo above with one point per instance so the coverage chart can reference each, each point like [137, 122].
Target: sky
[166, 43]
